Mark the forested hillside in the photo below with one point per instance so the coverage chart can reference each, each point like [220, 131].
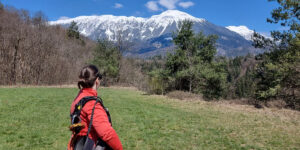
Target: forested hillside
[32, 52]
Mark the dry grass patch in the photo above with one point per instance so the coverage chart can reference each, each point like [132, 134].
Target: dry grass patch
[181, 95]
[121, 87]
[193, 102]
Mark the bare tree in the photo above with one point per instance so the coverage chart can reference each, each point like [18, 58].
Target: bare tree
[31, 52]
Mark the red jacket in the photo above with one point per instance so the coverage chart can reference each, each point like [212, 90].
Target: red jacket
[100, 126]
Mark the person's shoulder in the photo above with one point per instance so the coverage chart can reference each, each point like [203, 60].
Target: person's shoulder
[90, 105]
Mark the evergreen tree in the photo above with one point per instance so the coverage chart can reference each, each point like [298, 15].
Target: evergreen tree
[205, 47]
[72, 31]
[106, 56]
[278, 72]
[159, 81]
[211, 80]
[191, 67]
[183, 38]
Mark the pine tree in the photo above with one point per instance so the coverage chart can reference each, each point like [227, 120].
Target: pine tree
[191, 66]
[278, 73]
[72, 31]
[106, 56]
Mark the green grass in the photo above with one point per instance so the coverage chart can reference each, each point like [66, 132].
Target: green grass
[37, 118]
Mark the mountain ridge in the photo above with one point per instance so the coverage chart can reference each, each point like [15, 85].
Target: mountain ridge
[146, 25]
[147, 30]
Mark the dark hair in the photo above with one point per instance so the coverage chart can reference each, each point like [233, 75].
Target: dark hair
[88, 76]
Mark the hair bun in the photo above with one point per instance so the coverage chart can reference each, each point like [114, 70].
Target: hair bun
[81, 80]
[87, 76]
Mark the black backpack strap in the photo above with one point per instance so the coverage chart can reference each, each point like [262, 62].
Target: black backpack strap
[91, 120]
[106, 110]
[81, 103]
[77, 111]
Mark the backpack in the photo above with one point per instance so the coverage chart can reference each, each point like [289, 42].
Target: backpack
[84, 142]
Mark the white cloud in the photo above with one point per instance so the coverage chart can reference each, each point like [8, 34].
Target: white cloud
[152, 5]
[118, 5]
[169, 4]
[186, 4]
[63, 18]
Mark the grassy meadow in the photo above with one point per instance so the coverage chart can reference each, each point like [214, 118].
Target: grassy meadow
[38, 118]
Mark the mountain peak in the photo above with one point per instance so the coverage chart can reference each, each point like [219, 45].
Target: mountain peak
[176, 15]
[242, 30]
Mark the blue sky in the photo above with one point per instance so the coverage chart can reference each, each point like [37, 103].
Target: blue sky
[251, 13]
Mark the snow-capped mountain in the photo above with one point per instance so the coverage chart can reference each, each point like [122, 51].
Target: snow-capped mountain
[246, 32]
[110, 26]
[242, 30]
[154, 35]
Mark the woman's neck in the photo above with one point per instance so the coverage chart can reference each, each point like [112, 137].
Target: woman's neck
[94, 87]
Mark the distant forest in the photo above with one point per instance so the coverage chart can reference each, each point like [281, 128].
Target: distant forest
[35, 53]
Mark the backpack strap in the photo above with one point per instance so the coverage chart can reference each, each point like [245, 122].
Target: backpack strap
[75, 116]
[77, 120]
[91, 120]
[98, 99]
[81, 103]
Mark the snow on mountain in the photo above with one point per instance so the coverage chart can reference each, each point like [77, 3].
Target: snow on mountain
[135, 28]
[152, 36]
[242, 30]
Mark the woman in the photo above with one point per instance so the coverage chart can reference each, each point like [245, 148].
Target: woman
[89, 82]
